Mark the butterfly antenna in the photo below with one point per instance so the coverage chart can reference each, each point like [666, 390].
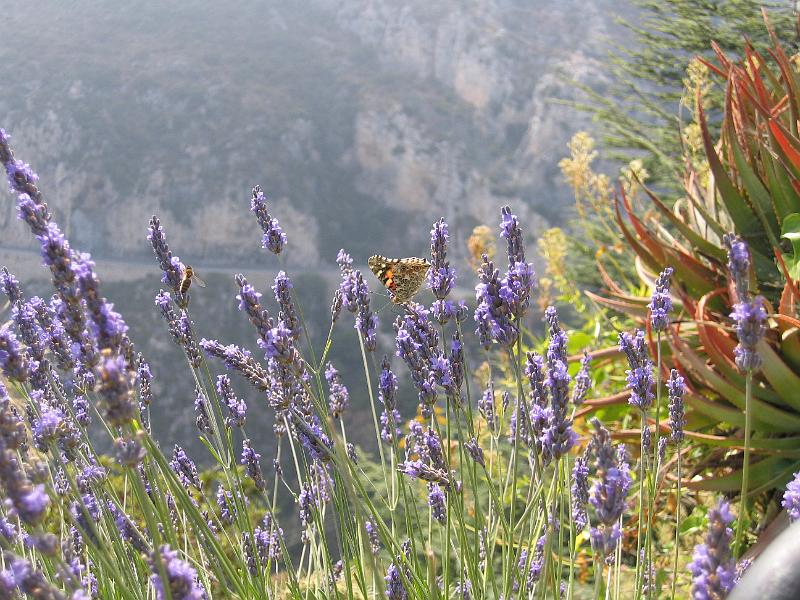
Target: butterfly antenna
[382, 307]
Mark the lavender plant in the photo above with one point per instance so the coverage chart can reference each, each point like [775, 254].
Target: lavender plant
[488, 492]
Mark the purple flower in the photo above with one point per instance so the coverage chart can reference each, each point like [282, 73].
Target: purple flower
[510, 229]
[660, 302]
[12, 428]
[183, 466]
[387, 385]
[237, 409]
[713, 568]
[274, 238]
[676, 388]
[417, 469]
[475, 451]
[441, 276]
[580, 492]
[738, 264]
[344, 260]
[494, 314]
[107, 325]
[27, 578]
[559, 436]
[306, 503]
[115, 391]
[791, 498]
[339, 397]
[182, 581]
[239, 360]
[336, 305]
[487, 407]
[609, 492]
[437, 503]
[640, 374]
[444, 310]
[288, 314]
[227, 508]
[21, 177]
[249, 302]
[145, 381]
[395, 589]
[201, 411]
[311, 436]
[583, 381]
[417, 344]
[13, 360]
[268, 540]
[47, 428]
[127, 529]
[10, 286]
[750, 317]
[372, 535]
[251, 460]
[173, 269]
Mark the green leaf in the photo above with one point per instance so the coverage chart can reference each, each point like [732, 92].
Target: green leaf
[791, 231]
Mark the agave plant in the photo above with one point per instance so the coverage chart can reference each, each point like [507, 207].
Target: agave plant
[749, 184]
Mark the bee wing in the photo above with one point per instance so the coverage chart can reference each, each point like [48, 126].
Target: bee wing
[198, 281]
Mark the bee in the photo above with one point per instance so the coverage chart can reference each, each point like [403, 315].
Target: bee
[188, 276]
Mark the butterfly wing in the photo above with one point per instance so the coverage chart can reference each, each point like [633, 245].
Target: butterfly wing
[403, 277]
[383, 268]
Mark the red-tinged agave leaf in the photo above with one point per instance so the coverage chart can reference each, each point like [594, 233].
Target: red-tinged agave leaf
[779, 375]
[723, 60]
[590, 405]
[637, 248]
[755, 64]
[786, 305]
[782, 444]
[746, 221]
[606, 279]
[634, 310]
[787, 71]
[781, 136]
[762, 473]
[716, 411]
[789, 281]
[713, 335]
[647, 237]
[719, 346]
[612, 352]
[758, 195]
[790, 347]
[771, 418]
[791, 321]
[694, 273]
[694, 238]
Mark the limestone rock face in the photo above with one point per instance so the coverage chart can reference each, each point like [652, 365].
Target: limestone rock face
[352, 114]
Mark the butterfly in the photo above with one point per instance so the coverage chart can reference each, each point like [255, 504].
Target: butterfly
[403, 277]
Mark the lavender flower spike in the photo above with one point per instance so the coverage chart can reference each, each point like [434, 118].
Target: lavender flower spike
[171, 265]
[791, 498]
[274, 238]
[660, 302]
[750, 317]
[10, 286]
[676, 388]
[339, 398]
[713, 568]
[738, 264]
[640, 374]
[182, 580]
[441, 276]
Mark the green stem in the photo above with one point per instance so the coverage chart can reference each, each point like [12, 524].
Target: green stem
[677, 527]
[748, 393]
